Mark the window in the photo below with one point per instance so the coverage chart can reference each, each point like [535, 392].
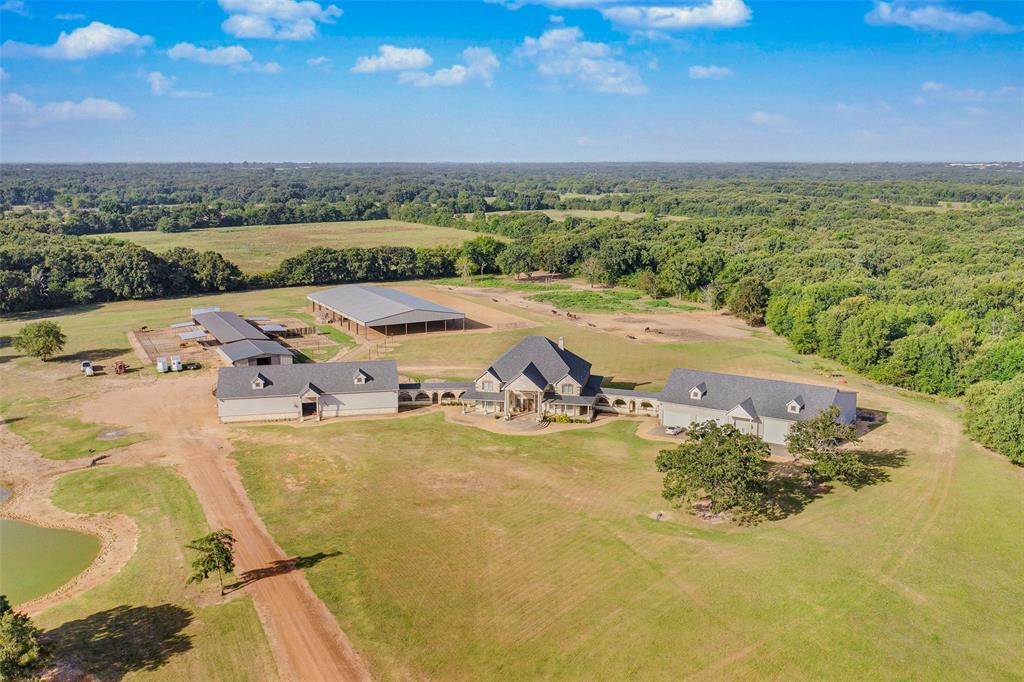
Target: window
[695, 394]
[257, 383]
[794, 408]
[568, 389]
[486, 385]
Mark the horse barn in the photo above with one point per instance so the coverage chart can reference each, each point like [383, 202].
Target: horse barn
[386, 311]
[238, 341]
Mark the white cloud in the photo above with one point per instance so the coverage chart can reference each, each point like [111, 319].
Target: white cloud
[276, 19]
[714, 14]
[70, 16]
[480, 66]
[762, 118]
[710, 71]
[220, 56]
[270, 68]
[391, 58]
[89, 41]
[561, 53]
[17, 110]
[159, 84]
[931, 90]
[15, 7]
[318, 61]
[935, 18]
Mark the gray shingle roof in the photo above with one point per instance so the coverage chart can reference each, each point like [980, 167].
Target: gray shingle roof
[245, 349]
[767, 397]
[550, 361]
[290, 380]
[227, 327]
[380, 305]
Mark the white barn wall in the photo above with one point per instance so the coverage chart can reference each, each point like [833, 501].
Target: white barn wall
[346, 404]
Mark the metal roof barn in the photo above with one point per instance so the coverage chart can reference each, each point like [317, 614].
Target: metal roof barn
[380, 306]
[228, 327]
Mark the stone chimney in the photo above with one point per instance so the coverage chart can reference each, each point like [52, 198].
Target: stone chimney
[561, 342]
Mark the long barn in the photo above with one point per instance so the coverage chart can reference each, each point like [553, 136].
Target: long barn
[387, 311]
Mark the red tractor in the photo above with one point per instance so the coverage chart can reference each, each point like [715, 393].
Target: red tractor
[120, 367]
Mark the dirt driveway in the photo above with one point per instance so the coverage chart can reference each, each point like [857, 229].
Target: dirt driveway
[179, 414]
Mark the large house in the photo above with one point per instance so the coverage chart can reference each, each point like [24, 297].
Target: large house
[535, 379]
[539, 377]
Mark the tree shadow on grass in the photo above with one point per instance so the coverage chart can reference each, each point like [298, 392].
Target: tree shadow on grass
[877, 464]
[126, 639]
[94, 355]
[279, 567]
[789, 491]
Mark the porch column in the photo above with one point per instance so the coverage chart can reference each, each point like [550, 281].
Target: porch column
[507, 414]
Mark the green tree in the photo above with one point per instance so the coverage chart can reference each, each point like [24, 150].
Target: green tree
[483, 253]
[216, 552]
[749, 300]
[720, 464]
[994, 416]
[22, 655]
[594, 272]
[40, 339]
[818, 440]
[516, 259]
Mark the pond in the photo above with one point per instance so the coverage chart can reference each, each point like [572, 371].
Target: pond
[36, 560]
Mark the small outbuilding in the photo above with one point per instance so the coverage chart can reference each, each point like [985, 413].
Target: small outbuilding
[245, 353]
[384, 310]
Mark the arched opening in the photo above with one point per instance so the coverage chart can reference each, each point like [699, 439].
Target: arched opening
[422, 397]
[646, 405]
[619, 402]
[404, 397]
[447, 395]
[602, 400]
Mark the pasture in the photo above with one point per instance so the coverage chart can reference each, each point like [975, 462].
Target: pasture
[259, 248]
[147, 620]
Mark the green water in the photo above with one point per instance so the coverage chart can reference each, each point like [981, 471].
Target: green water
[36, 560]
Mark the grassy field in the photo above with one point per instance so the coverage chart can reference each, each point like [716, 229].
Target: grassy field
[259, 248]
[460, 554]
[147, 623]
[54, 437]
[607, 301]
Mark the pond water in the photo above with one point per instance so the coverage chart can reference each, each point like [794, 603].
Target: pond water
[36, 560]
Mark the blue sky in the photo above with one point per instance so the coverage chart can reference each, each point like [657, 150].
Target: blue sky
[563, 80]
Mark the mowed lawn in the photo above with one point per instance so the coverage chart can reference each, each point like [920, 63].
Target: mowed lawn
[146, 623]
[456, 553]
[259, 248]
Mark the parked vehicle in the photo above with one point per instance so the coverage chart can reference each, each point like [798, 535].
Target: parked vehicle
[85, 365]
[120, 367]
[89, 371]
[175, 363]
[673, 430]
[161, 365]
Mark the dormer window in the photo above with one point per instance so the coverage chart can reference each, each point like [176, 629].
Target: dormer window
[795, 405]
[359, 377]
[698, 391]
[258, 382]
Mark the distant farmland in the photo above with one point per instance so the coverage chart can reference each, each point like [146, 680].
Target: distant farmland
[259, 248]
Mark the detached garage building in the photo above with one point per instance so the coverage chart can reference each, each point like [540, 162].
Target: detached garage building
[761, 407]
[314, 391]
[387, 311]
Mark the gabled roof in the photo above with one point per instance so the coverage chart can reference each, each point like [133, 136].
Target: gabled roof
[533, 375]
[550, 361]
[243, 350]
[228, 327]
[374, 306]
[767, 397]
[291, 380]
